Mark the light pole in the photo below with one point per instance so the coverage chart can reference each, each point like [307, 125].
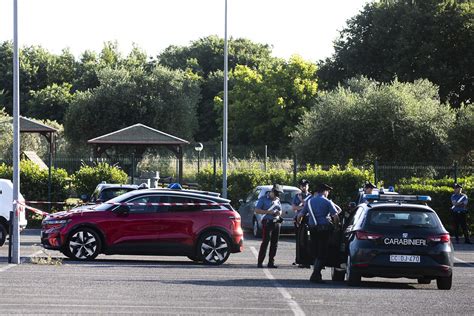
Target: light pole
[224, 138]
[15, 235]
[198, 148]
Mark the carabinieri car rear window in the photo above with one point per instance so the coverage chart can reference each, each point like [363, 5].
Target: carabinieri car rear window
[402, 218]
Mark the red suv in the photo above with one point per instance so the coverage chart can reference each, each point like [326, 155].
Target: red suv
[197, 224]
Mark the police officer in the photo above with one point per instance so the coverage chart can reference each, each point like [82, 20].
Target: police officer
[270, 206]
[459, 208]
[297, 205]
[318, 208]
[368, 188]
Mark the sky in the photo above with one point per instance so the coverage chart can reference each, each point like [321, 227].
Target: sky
[304, 27]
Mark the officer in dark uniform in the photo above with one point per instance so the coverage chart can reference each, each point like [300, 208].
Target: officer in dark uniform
[270, 206]
[297, 205]
[318, 208]
[459, 208]
[368, 188]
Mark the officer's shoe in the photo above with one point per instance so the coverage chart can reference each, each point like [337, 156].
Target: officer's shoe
[306, 266]
[259, 265]
[272, 266]
[468, 241]
[316, 279]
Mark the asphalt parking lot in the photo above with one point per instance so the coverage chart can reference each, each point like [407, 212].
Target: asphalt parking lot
[175, 285]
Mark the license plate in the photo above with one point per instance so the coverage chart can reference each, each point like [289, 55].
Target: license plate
[404, 258]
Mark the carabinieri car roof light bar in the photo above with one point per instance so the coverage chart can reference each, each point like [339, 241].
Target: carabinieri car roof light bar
[398, 197]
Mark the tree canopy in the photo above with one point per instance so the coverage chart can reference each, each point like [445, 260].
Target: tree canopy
[205, 57]
[163, 99]
[408, 40]
[266, 104]
[365, 120]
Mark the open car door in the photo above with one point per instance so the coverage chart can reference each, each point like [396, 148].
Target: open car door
[304, 246]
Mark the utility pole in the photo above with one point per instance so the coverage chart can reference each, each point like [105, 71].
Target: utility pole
[224, 148]
[15, 234]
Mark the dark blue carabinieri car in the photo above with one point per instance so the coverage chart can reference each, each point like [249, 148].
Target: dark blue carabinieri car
[395, 236]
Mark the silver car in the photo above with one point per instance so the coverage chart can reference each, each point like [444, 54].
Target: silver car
[253, 221]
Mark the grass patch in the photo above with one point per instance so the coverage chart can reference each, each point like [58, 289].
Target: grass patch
[46, 259]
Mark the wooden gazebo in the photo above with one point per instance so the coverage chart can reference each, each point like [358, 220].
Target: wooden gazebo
[141, 137]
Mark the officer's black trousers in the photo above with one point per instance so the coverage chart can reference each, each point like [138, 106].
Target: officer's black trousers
[270, 234]
[460, 221]
[320, 241]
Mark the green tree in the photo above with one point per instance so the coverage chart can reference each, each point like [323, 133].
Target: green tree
[205, 57]
[50, 103]
[38, 69]
[86, 72]
[364, 120]
[62, 68]
[461, 138]
[164, 99]
[410, 40]
[266, 104]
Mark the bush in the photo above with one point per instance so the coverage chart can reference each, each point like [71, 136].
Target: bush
[86, 179]
[346, 181]
[34, 181]
[34, 186]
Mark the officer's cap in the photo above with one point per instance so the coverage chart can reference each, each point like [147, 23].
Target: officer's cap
[457, 185]
[303, 182]
[277, 188]
[369, 184]
[324, 187]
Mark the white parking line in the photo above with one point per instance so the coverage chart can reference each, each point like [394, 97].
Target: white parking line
[464, 262]
[295, 308]
[22, 260]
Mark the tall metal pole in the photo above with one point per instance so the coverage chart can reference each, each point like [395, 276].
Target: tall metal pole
[224, 148]
[16, 138]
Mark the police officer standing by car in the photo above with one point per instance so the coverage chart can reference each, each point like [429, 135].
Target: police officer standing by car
[297, 205]
[368, 188]
[318, 208]
[270, 206]
[459, 208]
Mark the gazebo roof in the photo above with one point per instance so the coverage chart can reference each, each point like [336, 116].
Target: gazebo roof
[138, 134]
[29, 126]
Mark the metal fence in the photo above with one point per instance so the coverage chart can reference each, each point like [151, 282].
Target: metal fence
[391, 174]
[387, 173]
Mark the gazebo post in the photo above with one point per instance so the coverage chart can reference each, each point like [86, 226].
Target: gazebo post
[179, 154]
[50, 162]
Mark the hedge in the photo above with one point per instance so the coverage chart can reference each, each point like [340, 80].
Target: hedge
[346, 181]
[440, 195]
[34, 181]
[34, 186]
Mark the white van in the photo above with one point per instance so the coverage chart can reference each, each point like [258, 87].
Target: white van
[6, 205]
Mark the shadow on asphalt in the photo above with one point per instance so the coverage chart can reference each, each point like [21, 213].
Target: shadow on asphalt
[464, 264]
[290, 283]
[158, 264]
